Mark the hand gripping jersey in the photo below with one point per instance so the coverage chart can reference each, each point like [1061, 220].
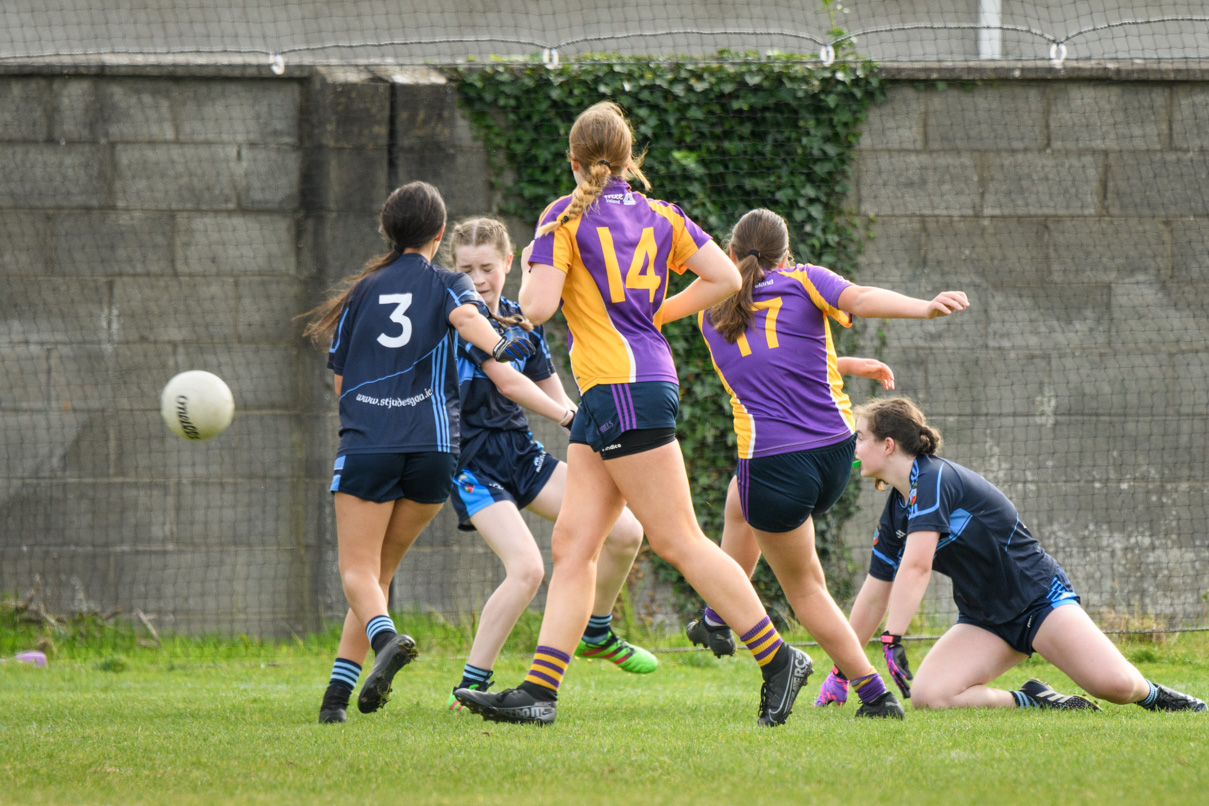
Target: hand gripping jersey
[786, 392]
[395, 348]
[616, 257]
[484, 409]
[998, 569]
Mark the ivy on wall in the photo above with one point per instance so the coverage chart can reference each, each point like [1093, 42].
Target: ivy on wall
[720, 138]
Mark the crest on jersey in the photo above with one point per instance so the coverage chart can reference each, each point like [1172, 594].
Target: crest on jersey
[626, 198]
[911, 498]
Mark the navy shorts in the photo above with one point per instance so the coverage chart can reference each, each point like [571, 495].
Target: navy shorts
[608, 410]
[1020, 631]
[424, 476]
[509, 466]
[779, 492]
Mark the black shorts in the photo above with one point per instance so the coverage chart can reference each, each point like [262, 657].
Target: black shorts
[1020, 631]
[424, 476]
[607, 411]
[509, 466]
[779, 492]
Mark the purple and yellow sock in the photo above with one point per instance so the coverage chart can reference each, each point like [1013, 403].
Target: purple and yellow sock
[549, 666]
[869, 687]
[712, 619]
[763, 640]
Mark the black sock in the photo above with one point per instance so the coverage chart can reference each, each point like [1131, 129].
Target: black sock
[540, 693]
[778, 663]
[382, 639]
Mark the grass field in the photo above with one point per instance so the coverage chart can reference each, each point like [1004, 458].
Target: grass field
[234, 722]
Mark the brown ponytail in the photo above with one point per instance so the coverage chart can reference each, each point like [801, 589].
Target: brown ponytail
[602, 142]
[760, 241]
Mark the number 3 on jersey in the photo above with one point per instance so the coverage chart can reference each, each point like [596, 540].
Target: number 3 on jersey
[773, 306]
[642, 266]
[401, 302]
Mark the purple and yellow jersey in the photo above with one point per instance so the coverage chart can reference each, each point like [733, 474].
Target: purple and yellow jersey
[616, 257]
[785, 388]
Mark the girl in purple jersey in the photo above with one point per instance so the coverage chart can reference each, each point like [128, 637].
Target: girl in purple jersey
[604, 253]
[392, 331]
[1012, 597]
[503, 469]
[772, 347]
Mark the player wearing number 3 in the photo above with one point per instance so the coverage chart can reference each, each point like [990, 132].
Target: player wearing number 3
[393, 332]
[605, 252]
[771, 345]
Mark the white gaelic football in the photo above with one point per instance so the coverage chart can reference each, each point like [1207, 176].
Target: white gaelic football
[197, 405]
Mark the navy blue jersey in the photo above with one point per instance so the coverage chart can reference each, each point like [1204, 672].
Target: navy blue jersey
[484, 409]
[395, 348]
[998, 568]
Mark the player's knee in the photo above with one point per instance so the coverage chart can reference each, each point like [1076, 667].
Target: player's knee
[932, 697]
[528, 576]
[671, 550]
[626, 537]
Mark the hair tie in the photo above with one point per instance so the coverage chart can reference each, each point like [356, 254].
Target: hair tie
[397, 248]
[755, 253]
[605, 163]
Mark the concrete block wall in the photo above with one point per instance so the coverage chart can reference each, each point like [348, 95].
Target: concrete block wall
[160, 219]
[1074, 214]
[151, 223]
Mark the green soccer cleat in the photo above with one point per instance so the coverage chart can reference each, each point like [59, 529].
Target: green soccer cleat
[630, 658]
[452, 705]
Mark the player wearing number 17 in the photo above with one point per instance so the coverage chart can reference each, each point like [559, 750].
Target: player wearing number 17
[772, 347]
[604, 252]
[393, 331]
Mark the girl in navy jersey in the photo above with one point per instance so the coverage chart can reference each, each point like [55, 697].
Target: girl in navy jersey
[393, 333]
[1012, 598]
[604, 253]
[771, 346]
[503, 469]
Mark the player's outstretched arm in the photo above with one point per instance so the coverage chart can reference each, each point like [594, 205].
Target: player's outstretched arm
[870, 608]
[472, 326]
[870, 302]
[717, 279]
[866, 368]
[522, 390]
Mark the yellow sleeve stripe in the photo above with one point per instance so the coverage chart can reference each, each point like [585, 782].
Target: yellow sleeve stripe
[823, 305]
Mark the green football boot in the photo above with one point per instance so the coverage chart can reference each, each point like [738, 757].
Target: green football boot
[630, 658]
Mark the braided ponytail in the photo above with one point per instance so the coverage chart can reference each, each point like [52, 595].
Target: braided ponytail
[602, 142]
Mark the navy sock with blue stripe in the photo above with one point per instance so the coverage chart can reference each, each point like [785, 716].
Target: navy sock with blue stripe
[599, 628]
[1023, 700]
[1150, 697]
[379, 631]
[345, 674]
[474, 677]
